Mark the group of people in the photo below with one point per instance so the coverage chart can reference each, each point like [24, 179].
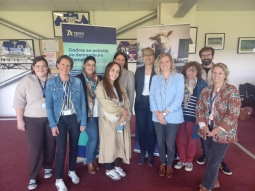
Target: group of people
[171, 108]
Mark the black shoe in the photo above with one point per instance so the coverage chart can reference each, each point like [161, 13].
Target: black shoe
[201, 160]
[150, 161]
[141, 160]
[225, 169]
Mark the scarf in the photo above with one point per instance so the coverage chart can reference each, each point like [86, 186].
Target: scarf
[188, 92]
[91, 84]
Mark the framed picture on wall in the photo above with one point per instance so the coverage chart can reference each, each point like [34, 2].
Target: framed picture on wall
[193, 40]
[128, 46]
[68, 17]
[246, 45]
[215, 40]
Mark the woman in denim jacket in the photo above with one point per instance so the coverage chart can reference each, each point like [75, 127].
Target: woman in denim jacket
[66, 110]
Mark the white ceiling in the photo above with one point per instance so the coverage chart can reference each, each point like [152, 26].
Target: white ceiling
[119, 5]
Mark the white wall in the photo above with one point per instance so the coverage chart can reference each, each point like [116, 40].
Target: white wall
[233, 24]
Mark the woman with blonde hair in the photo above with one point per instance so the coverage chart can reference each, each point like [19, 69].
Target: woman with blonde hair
[166, 96]
[217, 114]
[146, 129]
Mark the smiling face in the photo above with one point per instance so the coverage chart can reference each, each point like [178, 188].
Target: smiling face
[40, 69]
[218, 75]
[120, 60]
[165, 64]
[64, 67]
[90, 67]
[114, 73]
[148, 58]
[191, 72]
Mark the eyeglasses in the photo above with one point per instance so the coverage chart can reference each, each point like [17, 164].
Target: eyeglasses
[205, 55]
[191, 70]
[148, 55]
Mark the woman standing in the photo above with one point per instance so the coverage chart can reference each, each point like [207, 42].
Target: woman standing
[90, 80]
[217, 114]
[29, 104]
[66, 110]
[147, 135]
[114, 129]
[194, 84]
[127, 78]
[166, 95]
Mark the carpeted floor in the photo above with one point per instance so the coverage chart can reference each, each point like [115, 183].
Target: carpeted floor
[14, 168]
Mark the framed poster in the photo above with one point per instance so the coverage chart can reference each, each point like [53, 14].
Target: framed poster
[129, 47]
[215, 40]
[68, 17]
[193, 40]
[246, 45]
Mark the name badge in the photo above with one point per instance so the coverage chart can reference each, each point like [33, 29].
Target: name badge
[44, 105]
[67, 112]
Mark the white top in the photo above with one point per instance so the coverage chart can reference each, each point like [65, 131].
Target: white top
[146, 86]
[95, 108]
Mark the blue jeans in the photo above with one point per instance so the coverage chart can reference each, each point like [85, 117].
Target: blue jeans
[93, 137]
[215, 152]
[166, 135]
[145, 126]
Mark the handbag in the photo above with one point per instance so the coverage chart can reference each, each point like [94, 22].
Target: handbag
[244, 113]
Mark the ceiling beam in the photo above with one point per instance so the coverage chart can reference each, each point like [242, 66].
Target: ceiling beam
[185, 8]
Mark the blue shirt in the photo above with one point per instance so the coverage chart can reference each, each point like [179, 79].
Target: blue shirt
[167, 96]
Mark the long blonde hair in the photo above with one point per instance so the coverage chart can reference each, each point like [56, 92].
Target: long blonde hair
[157, 64]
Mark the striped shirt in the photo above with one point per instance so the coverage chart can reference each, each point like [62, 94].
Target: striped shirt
[189, 113]
[67, 103]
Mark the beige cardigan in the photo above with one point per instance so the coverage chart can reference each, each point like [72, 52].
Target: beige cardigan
[112, 144]
[127, 79]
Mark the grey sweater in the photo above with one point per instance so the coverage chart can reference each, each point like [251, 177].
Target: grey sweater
[28, 95]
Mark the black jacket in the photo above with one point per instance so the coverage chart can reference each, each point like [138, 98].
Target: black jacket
[139, 81]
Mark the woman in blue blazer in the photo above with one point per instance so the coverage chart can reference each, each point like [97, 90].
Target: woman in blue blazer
[166, 96]
[146, 130]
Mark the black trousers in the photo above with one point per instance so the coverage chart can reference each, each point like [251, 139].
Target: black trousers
[41, 145]
[67, 124]
[110, 166]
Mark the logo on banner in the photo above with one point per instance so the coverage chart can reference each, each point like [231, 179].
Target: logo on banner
[69, 33]
[75, 34]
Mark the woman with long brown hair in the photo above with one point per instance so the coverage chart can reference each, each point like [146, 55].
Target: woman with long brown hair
[114, 129]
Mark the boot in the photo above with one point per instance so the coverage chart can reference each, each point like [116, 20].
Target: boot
[91, 168]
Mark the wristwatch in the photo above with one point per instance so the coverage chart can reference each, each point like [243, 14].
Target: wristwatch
[164, 114]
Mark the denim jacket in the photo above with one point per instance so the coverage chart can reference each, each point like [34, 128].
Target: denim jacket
[54, 96]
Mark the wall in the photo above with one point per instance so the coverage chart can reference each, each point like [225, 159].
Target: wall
[234, 24]
[41, 23]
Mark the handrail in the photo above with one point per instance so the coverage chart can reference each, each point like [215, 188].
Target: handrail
[14, 79]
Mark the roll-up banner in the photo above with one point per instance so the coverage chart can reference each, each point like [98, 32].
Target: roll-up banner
[80, 41]
[171, 39]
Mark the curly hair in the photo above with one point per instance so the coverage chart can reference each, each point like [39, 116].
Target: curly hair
[157, 64]
[192, 64]
[224, 68]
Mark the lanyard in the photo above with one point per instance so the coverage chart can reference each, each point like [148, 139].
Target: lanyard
[212, 100]
[65, 90]
[43, 88]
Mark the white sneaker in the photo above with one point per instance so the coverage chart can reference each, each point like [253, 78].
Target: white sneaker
[188, 166]
[120, 171]
[74, 177]
[47, 173]
[113, 175]
[61, 185]
[32, 184]
[179, 165]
